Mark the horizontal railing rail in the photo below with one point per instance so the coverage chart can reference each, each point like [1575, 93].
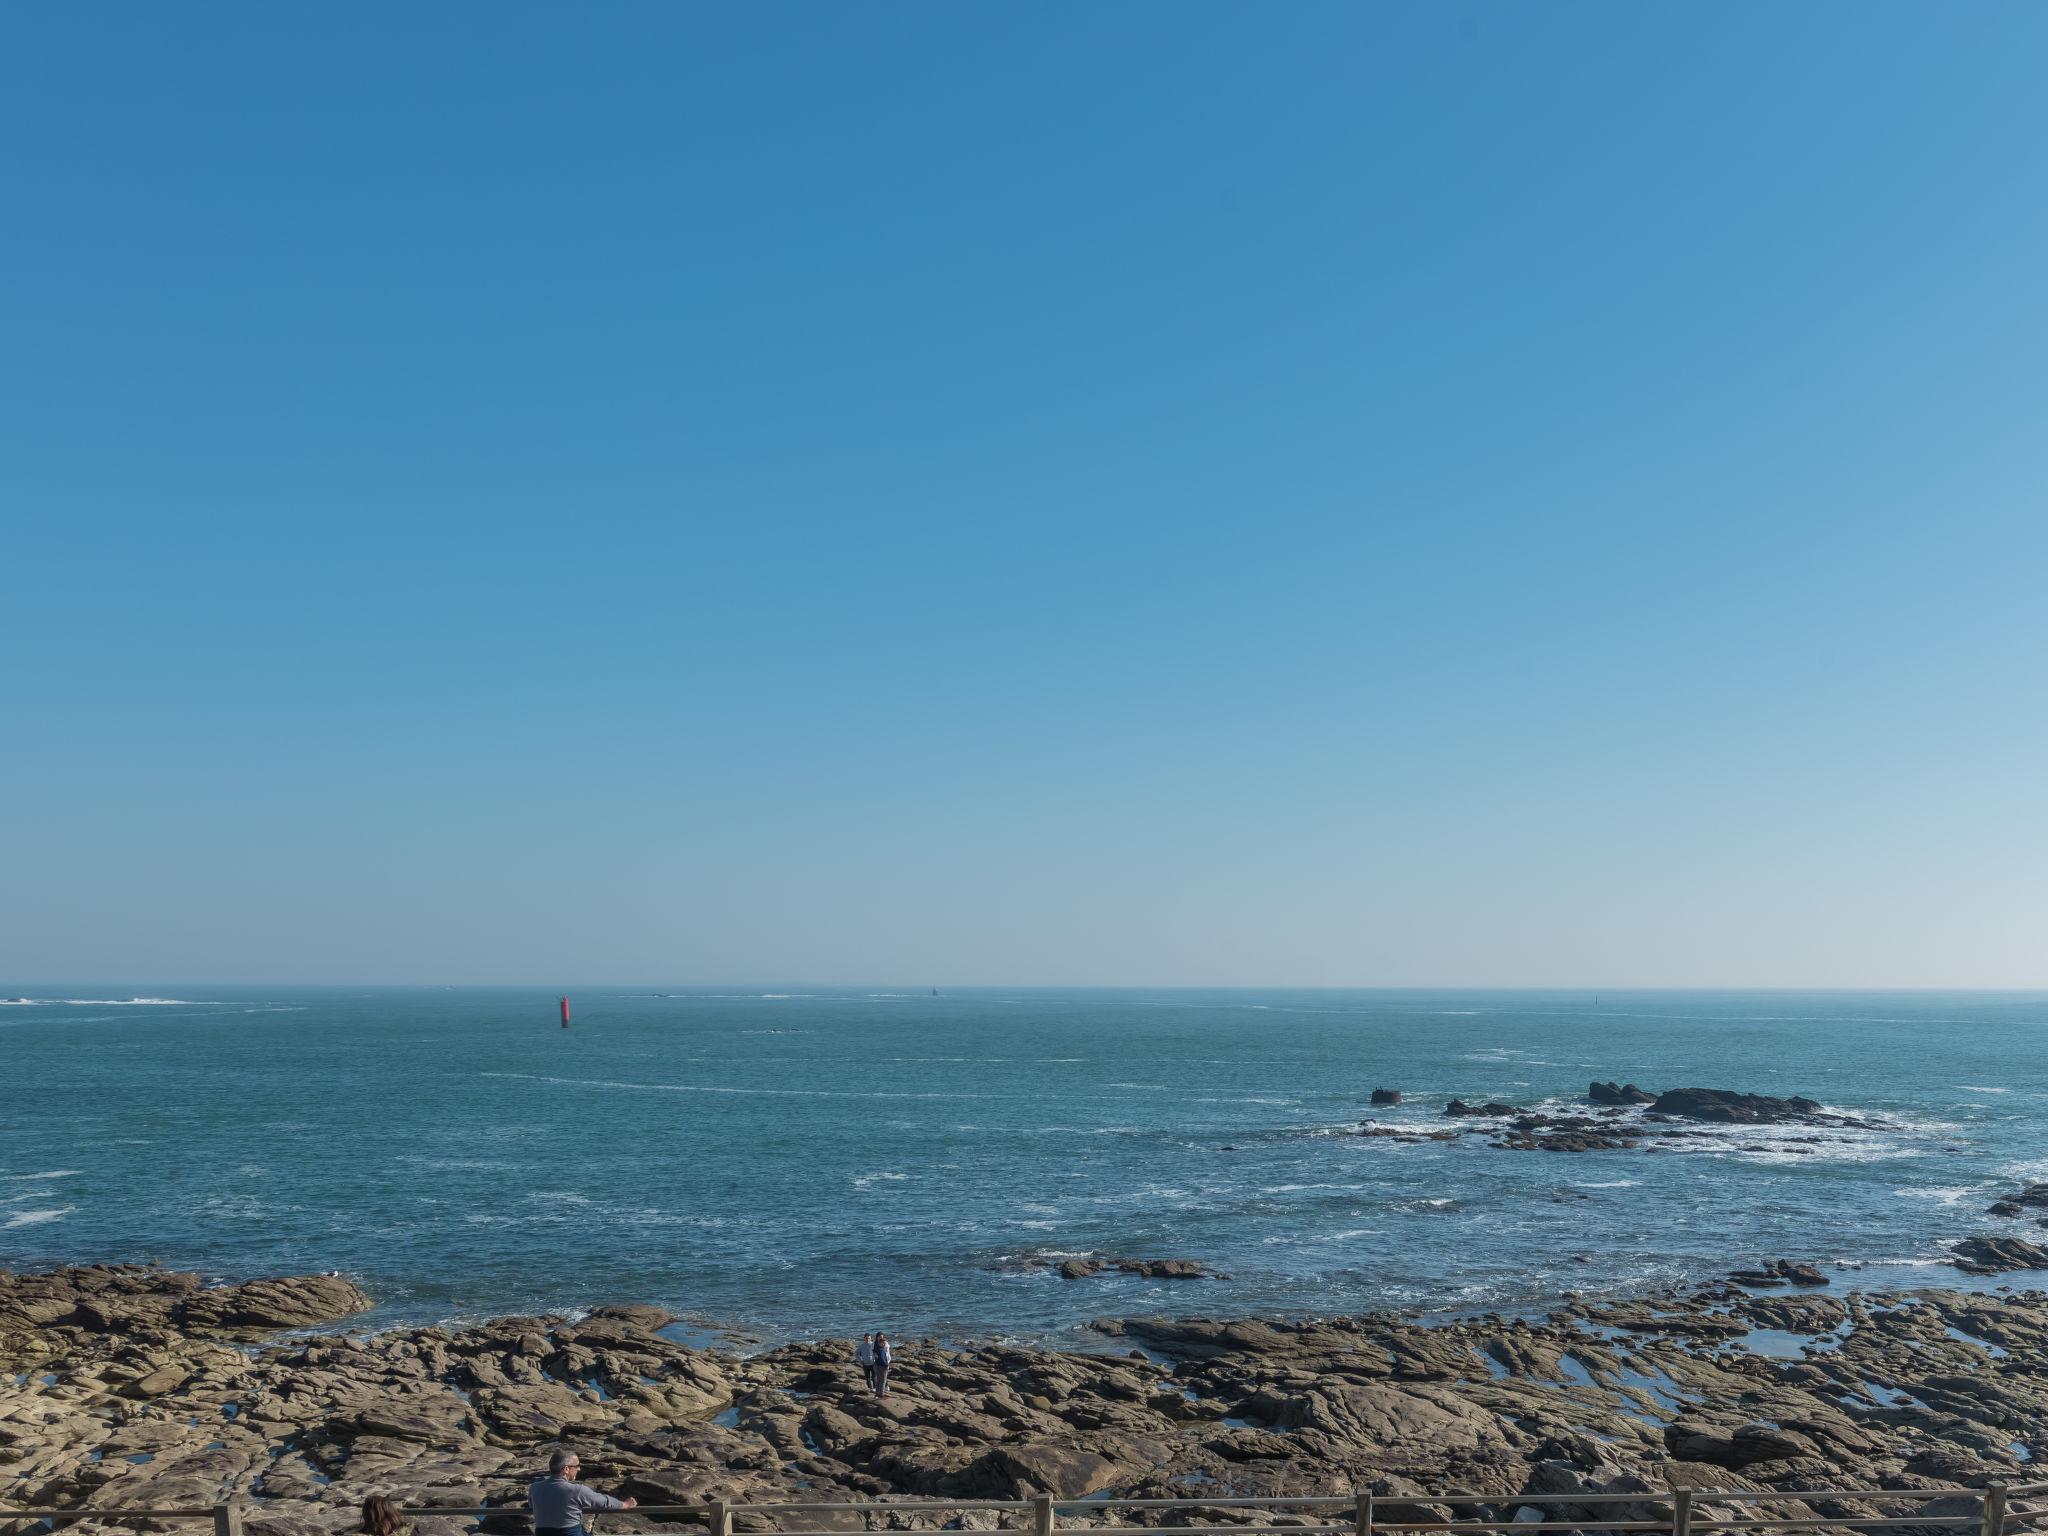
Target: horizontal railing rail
[1681, 1513]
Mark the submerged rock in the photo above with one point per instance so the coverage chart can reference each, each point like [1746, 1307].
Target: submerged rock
[1402, 1133]
[1779, 1272]
[647, 1319]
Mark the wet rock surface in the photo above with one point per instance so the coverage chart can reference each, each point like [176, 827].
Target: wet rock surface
[1998, 1255]
[1727, 1107]
[1779, 1272]
[1150, 1269]
[115, 1389]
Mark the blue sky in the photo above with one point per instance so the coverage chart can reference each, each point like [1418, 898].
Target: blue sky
[1321, 494]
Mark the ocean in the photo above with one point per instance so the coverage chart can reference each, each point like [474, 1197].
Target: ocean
[802, 1162]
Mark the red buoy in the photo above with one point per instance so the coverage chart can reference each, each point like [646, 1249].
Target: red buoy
[565, 1013]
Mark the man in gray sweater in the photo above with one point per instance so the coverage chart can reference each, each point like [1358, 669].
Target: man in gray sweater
[559, 1501]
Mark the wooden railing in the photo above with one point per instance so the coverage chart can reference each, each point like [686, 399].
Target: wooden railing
[1685, 1512]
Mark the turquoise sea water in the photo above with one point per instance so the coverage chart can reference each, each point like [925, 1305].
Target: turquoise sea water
[805, 1162]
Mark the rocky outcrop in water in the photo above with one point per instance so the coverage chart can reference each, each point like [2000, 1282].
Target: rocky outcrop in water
[1724, 1106]
[1937, 1389]
[1779, 1272]
[2031, 1201]
[1618, 1093]
[1998, 1255]
[1631, 1118]
[1149, 1269]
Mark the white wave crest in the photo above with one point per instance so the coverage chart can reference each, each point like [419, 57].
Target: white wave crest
[37, 1218]
[101, 1002]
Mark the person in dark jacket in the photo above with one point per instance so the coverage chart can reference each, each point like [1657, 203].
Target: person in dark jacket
[558, 1501]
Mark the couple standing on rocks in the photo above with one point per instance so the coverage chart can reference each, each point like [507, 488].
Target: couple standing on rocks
[874, 1356]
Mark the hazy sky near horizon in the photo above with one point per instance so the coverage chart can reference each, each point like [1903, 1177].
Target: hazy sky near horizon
[1178, 493]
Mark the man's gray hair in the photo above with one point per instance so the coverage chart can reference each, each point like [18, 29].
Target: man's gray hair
[559, 1459]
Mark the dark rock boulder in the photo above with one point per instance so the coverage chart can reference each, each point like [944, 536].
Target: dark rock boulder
[1952, 1514]
[1551, 1480]
[1167, 1269]
[2032, 1199]
[1764, 1441]
[1064, 1471]
[1458, 1107]
[1947, 1463]
[1618, 1093]
[1200, 1338]
[1386, 1095]
[1724, 1106]
[1997, 1255]
[1148, 1269]
[1736, 1447]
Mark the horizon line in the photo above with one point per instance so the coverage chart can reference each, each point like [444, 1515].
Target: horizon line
[923, 988]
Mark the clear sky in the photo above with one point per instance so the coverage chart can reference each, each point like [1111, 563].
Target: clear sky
[1180, 493]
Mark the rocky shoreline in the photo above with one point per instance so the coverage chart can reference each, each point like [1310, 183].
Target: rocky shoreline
[129, 1385]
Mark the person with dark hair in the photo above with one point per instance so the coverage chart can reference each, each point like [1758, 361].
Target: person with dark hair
[884, 1358]
[864, 1357]
[558, 1501]
[381, 1517]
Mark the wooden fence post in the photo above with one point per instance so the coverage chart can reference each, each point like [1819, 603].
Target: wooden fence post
[1361, 1519]
[1994, 1510]
[721, 1518]
[227, 1520]
[1041, 1515]
[1681, 1512]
